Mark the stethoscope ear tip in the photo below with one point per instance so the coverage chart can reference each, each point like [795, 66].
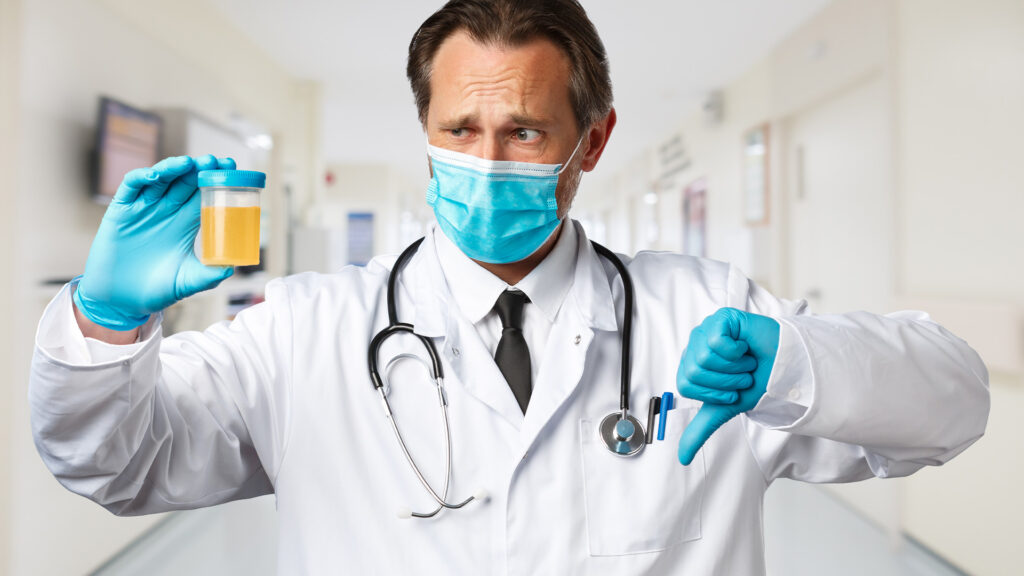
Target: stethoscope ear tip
[481, 494]
[404, 514]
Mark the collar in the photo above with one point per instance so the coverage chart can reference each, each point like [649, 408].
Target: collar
[474, 289]
[424, 283]
[549, 282]
[592, 286]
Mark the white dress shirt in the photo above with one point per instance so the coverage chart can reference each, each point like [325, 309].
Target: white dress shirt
[475, 291]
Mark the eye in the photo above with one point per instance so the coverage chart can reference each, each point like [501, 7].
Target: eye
[458, 132]
[526, 135]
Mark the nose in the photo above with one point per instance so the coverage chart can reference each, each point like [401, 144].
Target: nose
[491, 148]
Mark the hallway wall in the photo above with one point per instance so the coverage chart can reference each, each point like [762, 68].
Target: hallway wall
[10, 48]
[953, 78]
[961, 87]
[65, 55]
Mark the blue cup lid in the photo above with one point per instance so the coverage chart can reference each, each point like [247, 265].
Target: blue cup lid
[232, 178]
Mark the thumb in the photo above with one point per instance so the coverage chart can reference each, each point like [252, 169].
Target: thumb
[708, 419]
[194, 277]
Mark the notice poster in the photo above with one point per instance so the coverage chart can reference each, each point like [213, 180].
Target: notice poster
[360, 237]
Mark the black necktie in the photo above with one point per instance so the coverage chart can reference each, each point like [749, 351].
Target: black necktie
[512, 356]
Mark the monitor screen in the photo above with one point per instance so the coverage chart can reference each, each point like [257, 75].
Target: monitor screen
[127, 138]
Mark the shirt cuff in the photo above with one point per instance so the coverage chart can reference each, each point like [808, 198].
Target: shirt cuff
[60, 338]
[791, 388]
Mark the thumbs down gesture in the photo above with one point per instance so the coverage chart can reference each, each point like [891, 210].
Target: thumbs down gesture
[726, 366]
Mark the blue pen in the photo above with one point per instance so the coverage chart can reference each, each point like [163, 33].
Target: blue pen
[667, 403]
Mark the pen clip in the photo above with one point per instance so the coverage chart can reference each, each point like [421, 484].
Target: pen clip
[653, 408]
[667, 403]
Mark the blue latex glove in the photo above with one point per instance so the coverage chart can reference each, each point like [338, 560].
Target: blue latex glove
[726, 366]
[141, 260]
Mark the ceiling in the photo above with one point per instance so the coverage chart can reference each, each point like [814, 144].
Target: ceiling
[665, 55]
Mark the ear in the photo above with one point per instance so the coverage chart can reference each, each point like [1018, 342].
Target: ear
[597, 139]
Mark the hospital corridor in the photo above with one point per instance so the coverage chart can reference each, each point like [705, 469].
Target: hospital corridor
[717, 288]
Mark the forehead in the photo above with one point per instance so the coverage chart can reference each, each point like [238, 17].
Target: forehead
[532, 77]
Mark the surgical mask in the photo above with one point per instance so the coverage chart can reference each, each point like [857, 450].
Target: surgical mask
[495, 211]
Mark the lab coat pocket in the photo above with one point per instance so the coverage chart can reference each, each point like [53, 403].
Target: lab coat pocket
[643, 503]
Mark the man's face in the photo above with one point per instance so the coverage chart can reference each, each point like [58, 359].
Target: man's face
[505, 104]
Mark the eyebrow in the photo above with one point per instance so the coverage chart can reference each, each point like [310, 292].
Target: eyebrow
[529, 120]
[459, 121]
[467, 119]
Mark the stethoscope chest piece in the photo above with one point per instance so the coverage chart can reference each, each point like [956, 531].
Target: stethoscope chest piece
[623, 434]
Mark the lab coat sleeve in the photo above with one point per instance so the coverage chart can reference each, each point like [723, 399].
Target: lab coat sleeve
[191, 420]
[858, 395]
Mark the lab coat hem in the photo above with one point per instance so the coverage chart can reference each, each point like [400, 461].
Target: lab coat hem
[793, 371]
[805, 371]
[124, 509]
[59, 317]
[214, 497]
[154, 338]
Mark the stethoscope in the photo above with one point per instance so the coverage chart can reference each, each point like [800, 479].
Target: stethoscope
[621, 432]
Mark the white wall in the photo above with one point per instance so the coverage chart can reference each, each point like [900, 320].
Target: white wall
[378, 189]
[953, 78]
[961, 89]
[10, 19]
[960, 94]
[845, 43]
[69, 52]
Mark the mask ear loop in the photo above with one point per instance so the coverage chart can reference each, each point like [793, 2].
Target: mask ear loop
[430, 157]
[574, 150]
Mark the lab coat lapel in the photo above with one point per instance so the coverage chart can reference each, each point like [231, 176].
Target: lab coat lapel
[435, 314]
[559, 375]
[423, 287]
[589, 307]
[476, 371]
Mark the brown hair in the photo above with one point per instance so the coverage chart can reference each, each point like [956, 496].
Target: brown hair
[514, 23]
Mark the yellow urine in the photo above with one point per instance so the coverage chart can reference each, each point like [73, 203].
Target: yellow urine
[231, 235]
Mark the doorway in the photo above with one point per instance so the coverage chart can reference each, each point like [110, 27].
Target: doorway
[840, 200]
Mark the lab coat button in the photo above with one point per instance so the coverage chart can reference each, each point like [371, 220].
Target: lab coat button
[455, 351]
[576, 340]
[794, 394]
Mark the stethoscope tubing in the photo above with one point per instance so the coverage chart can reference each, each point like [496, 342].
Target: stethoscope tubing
[442, 500]
[395, 327]
[627, 324]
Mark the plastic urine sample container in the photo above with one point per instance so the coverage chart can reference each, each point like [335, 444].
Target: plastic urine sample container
[229, 222]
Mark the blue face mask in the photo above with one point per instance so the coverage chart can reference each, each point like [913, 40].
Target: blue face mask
[495, 211]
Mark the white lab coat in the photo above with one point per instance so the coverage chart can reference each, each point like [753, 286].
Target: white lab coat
[279, 401]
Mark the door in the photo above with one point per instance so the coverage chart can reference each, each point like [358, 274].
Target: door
[838, 158]
[840, 201]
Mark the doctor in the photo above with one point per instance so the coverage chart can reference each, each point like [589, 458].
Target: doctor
[527, 320]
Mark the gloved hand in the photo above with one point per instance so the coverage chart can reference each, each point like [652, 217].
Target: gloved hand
[141, 260]
[726, 366]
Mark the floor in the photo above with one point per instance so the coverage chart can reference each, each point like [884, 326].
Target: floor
[807, 528]
[807, 532]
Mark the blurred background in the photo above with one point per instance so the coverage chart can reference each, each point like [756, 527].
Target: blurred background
[856, 153]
